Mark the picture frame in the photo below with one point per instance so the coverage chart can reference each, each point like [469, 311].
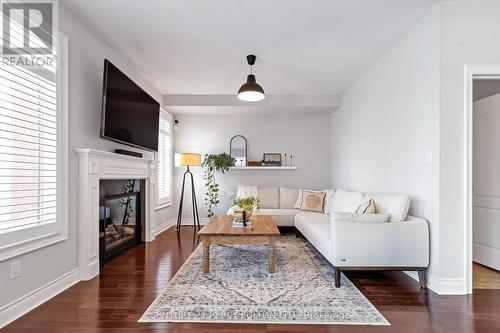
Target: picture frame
[271, 159]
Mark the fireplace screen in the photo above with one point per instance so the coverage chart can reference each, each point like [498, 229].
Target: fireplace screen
[119, 217]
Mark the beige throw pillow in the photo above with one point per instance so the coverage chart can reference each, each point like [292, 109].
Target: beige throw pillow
[313, 201]
[366, 207]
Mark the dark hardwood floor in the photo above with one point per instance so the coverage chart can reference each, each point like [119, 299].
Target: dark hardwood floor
[114, 301]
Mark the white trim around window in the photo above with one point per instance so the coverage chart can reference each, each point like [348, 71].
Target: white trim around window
[164, 157]
[29, 238]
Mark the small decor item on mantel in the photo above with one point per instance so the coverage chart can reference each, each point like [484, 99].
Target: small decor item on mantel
[272, 159]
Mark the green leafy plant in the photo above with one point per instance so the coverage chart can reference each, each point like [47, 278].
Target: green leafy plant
[247, 204]
[127, 202]
[212, 163]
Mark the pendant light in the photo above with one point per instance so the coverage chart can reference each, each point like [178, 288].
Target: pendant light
[251, 91]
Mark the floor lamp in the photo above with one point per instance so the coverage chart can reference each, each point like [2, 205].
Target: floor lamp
[188, 160]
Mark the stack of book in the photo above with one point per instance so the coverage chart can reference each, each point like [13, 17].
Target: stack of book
[238, 223]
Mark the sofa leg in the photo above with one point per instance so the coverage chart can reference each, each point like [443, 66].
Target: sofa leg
[422, 277]
[337, 276]
[297, 233]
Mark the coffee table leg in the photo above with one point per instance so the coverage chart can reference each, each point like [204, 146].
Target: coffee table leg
[271, 248]
[206, 254]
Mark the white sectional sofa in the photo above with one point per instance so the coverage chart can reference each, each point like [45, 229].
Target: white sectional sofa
[402, 243]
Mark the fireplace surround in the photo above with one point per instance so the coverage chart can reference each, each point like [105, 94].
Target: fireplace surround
[94, 166]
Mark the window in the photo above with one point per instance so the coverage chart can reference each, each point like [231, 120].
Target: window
[33, 155]
[164, 195]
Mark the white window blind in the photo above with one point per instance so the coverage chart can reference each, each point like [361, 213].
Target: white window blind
[28, 154]
[33, 151]
[164, 159]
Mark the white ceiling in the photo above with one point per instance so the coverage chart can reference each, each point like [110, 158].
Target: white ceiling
[307, 47]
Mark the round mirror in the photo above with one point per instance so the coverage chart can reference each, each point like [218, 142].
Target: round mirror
[238, 149]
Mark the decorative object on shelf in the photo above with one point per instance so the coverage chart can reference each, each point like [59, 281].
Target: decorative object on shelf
[188, 160]
[255, 163]
[286, 159]
[238, 149]
[291, 160]
[251, 91]
[211, 163]
[272, 159]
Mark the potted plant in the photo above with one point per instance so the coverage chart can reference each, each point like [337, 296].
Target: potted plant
[212, 163]
[247, 205]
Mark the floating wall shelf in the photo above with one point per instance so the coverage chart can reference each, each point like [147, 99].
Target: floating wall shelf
[264, 168]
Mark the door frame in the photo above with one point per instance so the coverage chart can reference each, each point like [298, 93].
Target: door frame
[472, 72]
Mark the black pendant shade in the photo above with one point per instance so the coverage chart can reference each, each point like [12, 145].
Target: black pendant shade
[251, 91]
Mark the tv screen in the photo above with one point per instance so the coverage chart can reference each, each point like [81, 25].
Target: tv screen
[129, 114]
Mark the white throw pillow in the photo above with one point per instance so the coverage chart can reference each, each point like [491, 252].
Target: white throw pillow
[328, 200]
[300, 199]
[361, 217]
[396, 205]
[367, 206]
[345, 201]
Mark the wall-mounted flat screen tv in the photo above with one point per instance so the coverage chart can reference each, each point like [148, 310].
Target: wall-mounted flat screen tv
[129, 114]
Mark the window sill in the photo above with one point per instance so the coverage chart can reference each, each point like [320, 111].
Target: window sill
[31, 245]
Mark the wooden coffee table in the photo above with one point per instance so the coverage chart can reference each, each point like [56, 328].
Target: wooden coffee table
[220, 230]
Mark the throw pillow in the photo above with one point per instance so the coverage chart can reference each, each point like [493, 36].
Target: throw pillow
[360, 217]
[313, 201]
[300, 197]
[367, 206]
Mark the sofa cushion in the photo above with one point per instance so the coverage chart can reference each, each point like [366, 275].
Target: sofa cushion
[396, 205]
[268, 197]
[313, 201]
[361, 217]
[316, 228]
[345, 201]
[288, 197]
[281, 217]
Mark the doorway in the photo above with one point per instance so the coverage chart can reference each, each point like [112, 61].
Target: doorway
[482, 210]
[486, 184]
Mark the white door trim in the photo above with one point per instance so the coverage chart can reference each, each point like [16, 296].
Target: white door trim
[478, 72]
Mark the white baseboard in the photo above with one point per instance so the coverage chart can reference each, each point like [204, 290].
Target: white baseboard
[26, 303]
[442, 286]
[164, 226]
[190, 220]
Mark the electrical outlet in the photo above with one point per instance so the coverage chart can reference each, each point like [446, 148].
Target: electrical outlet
[15, 269]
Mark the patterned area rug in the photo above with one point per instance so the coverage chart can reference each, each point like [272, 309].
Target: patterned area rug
[239, 289]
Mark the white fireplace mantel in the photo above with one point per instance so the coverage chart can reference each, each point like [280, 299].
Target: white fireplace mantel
[95, 165]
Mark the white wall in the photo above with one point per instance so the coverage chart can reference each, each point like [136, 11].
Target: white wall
[469, 36]
[304, 135]
[486, 193]
[388, 123]
[86, 56]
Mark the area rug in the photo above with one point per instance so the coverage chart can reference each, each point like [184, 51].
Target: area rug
[239, 289]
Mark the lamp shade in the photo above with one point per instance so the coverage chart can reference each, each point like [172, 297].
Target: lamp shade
[251, 91]
[187, 159]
